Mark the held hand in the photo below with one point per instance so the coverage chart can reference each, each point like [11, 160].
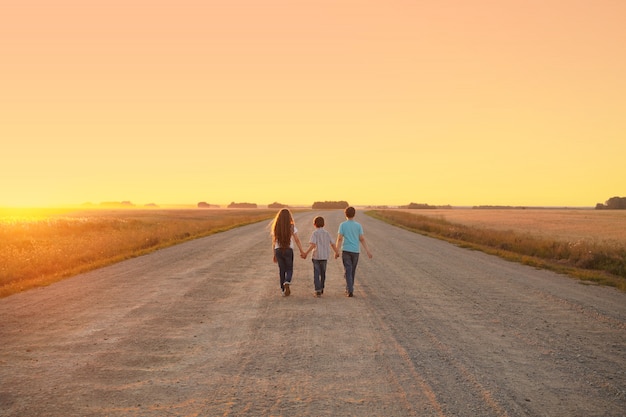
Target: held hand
[303, 255]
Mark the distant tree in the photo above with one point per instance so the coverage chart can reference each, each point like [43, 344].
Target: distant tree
[418, 206]
[424, 206]
[242, 205]
[318, 205]
[613, 203]
[276, 205]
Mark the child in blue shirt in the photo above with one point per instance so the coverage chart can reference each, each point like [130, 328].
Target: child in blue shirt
[349, 239]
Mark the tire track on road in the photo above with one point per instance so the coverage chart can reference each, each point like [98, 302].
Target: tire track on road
[446, 355]
[421, 389]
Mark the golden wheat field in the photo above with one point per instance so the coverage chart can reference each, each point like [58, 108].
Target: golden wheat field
[559, 224]
[38, 247]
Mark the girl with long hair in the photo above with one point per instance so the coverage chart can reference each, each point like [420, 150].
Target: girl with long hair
[284, 233]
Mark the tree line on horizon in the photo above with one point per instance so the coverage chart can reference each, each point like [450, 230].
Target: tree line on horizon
[422, 206]
[318, 205]
[613, 203]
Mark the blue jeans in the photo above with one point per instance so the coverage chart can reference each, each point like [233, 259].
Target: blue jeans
[285, 265]
[319, 273]
[350, 260]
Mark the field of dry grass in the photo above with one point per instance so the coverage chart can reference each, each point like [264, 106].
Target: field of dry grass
[587, 244]
[38, 247]
[562, 224]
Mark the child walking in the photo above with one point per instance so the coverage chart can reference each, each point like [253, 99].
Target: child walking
[284, 233]
[320, 243]
[349, 239]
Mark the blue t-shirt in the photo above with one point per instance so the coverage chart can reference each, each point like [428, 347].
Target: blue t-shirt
[351, 232]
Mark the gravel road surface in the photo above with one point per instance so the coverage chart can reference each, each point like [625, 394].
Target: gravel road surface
[201, 329]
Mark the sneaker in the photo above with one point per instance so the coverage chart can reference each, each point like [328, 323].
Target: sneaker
[349, 294]
[287, 290]
[317, 294]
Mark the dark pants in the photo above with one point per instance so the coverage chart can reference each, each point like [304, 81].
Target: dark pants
[284, 257]
[319, 273]
[350, 260]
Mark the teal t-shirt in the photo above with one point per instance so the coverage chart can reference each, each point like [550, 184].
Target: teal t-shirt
[351, 232]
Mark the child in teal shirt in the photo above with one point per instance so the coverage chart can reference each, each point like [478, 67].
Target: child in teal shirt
[349, 239]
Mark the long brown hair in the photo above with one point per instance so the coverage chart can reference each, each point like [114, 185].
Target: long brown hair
[282, 228]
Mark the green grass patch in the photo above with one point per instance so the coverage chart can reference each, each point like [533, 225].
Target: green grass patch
[588, 260]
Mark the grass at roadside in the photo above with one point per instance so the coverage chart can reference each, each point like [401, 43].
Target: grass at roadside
[590, 261]
[40, 250]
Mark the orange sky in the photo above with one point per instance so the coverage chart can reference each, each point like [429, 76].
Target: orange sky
[375, 102]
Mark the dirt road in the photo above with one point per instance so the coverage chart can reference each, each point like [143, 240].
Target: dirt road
[200, 329]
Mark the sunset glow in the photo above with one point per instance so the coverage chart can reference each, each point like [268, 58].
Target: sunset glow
[175, 102]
